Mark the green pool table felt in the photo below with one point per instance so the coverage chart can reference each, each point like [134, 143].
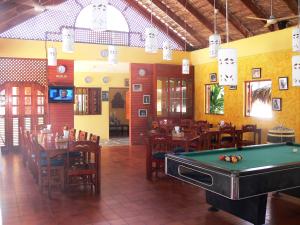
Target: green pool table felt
[253, 157]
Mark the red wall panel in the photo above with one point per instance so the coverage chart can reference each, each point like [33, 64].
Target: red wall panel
[61, 114]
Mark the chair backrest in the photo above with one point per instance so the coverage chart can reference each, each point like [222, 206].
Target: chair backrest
[227, 127]
[160, 143]
[95, 138]
[186, 123]
[227, 138]
[72, 134]
[84, 146]
[82, 135]
[248, 130]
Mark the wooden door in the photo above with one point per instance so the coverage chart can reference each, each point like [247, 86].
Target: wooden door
[21, 105]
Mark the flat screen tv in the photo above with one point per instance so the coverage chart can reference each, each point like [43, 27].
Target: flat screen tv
[61, 94]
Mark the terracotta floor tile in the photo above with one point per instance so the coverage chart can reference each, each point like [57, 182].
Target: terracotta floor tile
[126, 198]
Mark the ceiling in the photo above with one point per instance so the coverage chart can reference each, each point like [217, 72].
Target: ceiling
[192, 19]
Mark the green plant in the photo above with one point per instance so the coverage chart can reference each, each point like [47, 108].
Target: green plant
[216, 99]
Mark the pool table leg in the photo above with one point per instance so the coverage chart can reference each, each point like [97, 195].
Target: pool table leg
[252, 209]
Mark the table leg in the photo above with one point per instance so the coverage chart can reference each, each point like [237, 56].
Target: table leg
[251, 209]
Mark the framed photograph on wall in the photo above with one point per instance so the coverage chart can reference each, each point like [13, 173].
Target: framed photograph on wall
[213, 77]
[283, 83]
[232, 87]
[256, 73]
[142, 112]
[104, 96]
[276, 104]
[137, 87]
[146, 99]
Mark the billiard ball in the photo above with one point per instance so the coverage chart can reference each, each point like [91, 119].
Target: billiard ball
[234, 159]
[239, 157]
[222, 157]
[227, 158]
[295, 149]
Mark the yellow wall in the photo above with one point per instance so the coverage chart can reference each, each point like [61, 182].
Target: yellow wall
[271, 52]
[97, 124]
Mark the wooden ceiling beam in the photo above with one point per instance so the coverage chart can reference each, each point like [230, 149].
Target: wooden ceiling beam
[236, 22]
[144, 12]
[293, 5]
[178, 20]
[202, 19]
[256, 10]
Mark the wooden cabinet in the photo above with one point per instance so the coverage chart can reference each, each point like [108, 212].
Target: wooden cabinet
[173, 92]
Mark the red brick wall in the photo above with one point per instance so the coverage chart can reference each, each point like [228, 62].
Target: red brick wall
[61, 114]
[139, 125]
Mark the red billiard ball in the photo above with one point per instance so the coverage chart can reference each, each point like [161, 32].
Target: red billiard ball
[222, 157]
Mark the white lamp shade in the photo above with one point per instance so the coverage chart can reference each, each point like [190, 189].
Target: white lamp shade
[151, 45]
[112, 54]
[185, 66]
[167, 51]
[68, 39]
[296, 70]
[214, 44]
[99, 15]
[227, 65]
[296, 39]
[52, 57]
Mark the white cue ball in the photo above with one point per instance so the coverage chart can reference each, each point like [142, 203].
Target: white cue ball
[295, 150]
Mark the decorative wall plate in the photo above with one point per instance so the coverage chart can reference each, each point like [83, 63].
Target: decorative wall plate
[104, 53]
[105, 80]
[88, 79]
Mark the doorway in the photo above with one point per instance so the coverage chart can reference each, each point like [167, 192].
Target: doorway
[22, 105]
[118, 108]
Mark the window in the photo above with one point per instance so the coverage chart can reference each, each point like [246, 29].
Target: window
[214, 99]
[258, 99]
[87, 101]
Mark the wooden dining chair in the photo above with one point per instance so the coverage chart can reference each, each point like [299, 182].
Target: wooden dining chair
[72, 134]
[85, 171]
[94, 138]
[248, 135]
[82, 135]
[57, 164]
[226, 138]
[157, 146]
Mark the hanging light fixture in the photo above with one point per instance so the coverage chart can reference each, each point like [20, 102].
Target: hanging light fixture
[151, 44]
[99, 15]
[52, 56]
[68, 40]
[296, 34]
[215, 38]
[227, 61]
[296, 70]
[112, 54]
[167, 51]
[185, 61]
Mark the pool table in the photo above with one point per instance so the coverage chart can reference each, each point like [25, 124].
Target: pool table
[240, 188]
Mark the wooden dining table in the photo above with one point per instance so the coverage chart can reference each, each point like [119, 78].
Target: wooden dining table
[185, 141]
[53, 148]
[214, 131]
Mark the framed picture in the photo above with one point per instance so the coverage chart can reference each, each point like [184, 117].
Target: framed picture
[142, 112]
[126, 82]
[146, 99]
[105, 96]
[232, 87]
[276, 104]
[213, 77]
[256, 73]
[283, 83]
[137, 87]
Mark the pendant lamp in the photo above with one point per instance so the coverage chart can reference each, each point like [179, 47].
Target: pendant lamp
[296, 70]
[52, 56]
[112, 54]
[151, 44]
[99, 15]
[167, 51]
[214, 39]
[227, 61]
[296, 34]
[68, 40]
[185, 61]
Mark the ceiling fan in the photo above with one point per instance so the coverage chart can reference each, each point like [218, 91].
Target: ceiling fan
[272, 19]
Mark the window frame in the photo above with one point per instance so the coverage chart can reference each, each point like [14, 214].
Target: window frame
[93, 102]
[207, 98]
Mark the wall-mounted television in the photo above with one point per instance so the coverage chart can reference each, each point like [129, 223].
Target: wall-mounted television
[62, 94]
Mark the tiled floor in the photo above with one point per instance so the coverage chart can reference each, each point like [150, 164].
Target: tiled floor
[126, 198]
